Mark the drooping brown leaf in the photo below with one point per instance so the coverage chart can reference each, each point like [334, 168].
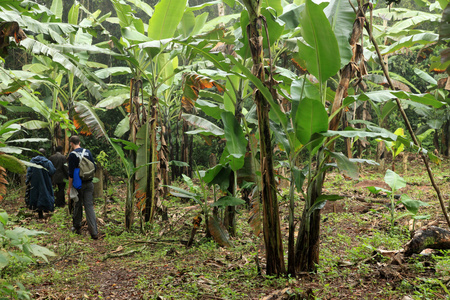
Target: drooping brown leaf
[79, 124]
[255, 220]
[299, 65]
[9, 29]
[3, 182]
[192, 84]
[141, 197]
[218, 232]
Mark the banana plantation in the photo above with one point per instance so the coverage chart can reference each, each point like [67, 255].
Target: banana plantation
[284, 149]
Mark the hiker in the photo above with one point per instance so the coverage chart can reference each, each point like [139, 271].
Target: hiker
[58, 179]
[85, 189]
[39, 185]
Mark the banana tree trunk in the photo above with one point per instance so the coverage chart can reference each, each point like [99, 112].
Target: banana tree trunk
[271, 218]
[308, 239]
[154, 176]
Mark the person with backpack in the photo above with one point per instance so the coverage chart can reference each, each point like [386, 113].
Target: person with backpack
[81, 172]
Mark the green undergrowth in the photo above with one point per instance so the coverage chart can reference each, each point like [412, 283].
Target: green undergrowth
[155, 264]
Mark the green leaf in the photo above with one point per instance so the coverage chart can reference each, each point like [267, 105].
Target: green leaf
[73, 14]
[185, 194]
[123, 127]
[4, 259]
[113, 71]
[228, 201]
[112, 102]
[291, 15]
[201, 6]
[178, 163]
[412, 205]
[376, 190]
[311, 117]
[319, 204]
[321, 50]
[41, 49]
[329, 197]
[209, 108]
[299, 178]
[12, 164]
[236, 142]
[42, 252]
[425, 76]
[131, 34]
[33, 102]
[35, 124]
[345, 165]
[57, 8]
[342, 16]
[4, 217]
[409, 41]
[275, 4]
[204, 124]
[394, 180]
[220, 175]
[143, 6]
[165, 19]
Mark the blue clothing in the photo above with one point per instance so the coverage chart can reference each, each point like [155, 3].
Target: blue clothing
[76, 183]
[41, 191]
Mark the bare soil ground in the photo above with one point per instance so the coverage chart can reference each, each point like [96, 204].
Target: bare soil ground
[155, 264]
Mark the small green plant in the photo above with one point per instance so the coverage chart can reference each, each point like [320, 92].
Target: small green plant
[396, 147]
[396, 183]
[16, 247]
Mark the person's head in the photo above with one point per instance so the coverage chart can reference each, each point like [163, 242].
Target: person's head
[75, 140]
[58, 148]
[42, 151]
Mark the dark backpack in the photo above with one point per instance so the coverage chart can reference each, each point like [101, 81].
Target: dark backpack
[87, 167]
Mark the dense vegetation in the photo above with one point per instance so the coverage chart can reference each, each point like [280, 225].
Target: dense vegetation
[216, 103]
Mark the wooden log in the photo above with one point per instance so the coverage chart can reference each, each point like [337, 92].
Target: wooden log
[432, 237]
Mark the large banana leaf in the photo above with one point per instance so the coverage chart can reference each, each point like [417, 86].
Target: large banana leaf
[341, 16]
[386, 95]
[12, 163]
[409, 41]
[207, 126]
[165, 19]
[33, 102]
[41, 49]
[87, 120]
[321, 50]
[211, 109]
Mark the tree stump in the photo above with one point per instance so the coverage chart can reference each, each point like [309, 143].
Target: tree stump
[432, 237]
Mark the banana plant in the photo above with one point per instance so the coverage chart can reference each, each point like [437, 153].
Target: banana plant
[8, 149]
